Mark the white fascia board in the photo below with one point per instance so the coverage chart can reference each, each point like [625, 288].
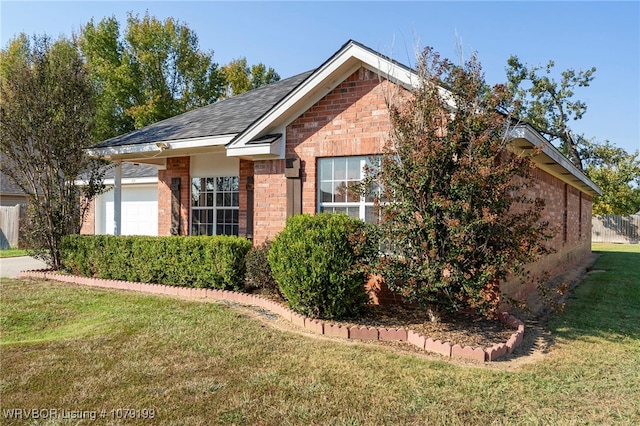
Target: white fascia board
[120, 150]
[275, 150]
[272, 150]
[219, 140]
[254, 151]
[133, 181]
[536, 139]
[125, 181]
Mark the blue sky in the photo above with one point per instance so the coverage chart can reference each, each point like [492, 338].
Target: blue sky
[294, 37]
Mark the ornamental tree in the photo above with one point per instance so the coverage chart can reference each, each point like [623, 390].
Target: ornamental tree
[153, 70]
[458, 220]
[46, 109]
[241, 78]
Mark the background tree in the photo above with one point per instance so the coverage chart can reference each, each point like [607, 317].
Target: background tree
[617, 173]
[155, 70]
[241, 78]
[115, 91]
[458, 218]
[47, 117]
[548, 105]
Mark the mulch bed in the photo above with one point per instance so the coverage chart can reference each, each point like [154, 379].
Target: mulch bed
[459, 328]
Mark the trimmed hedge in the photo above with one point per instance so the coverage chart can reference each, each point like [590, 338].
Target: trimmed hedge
[321, 264]
[204, 262]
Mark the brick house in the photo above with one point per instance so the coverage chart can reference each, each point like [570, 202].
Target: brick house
[241, 166]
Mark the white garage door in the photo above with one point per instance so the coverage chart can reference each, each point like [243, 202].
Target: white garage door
[138, 217]
[139, 211]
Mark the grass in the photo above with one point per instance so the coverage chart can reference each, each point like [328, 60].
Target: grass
[76, 348]
[12, 253]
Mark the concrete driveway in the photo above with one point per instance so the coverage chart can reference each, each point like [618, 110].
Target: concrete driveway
[10, 266]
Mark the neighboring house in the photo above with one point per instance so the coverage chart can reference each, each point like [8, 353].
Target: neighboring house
[241, 166]
[139, 203]
[10, 194]
[13, 203]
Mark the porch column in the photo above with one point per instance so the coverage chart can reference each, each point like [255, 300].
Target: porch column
[117, 199]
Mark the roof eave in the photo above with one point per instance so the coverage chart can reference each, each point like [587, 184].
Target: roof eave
[551, 160]
[159, 147]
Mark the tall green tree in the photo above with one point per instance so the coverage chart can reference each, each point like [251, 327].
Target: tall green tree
[153, 71]
[46, 110]
[617, 173]
[549, 105]
[457, 217]
[115, 89]
[241, 78]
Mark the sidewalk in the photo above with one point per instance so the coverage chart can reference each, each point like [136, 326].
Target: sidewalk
[10, 266]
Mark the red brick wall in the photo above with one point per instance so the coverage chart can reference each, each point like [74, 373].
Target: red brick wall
[176, 167]
[270, 199]
[572, 240]
[89, 224]
[351, 120]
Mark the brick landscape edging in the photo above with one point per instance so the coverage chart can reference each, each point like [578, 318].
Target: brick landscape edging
[326, 328]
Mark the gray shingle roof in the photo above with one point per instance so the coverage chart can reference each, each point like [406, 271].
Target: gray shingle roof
[130, 170]
[7, 186]
[228, 116]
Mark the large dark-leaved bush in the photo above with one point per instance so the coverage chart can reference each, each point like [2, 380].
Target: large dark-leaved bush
[460, 218]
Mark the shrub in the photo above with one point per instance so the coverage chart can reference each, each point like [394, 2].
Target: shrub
[211, 262]
[321, 263]
[258, 270]
[460, 217]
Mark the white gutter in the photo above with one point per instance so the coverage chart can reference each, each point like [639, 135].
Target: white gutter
[124, 181]
[132, 181]
[161, 146]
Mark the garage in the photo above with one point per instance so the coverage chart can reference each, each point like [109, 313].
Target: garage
[139, 211]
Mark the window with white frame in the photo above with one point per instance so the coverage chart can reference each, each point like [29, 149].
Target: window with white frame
[338, 180]
[215, 205]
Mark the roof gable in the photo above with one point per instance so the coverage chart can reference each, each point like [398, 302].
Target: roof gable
[351, 56]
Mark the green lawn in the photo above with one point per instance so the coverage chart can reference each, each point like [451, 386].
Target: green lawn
[75, 348]
[12, 253]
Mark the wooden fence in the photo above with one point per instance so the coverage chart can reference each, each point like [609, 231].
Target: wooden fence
[616, 229]
[9, 227]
